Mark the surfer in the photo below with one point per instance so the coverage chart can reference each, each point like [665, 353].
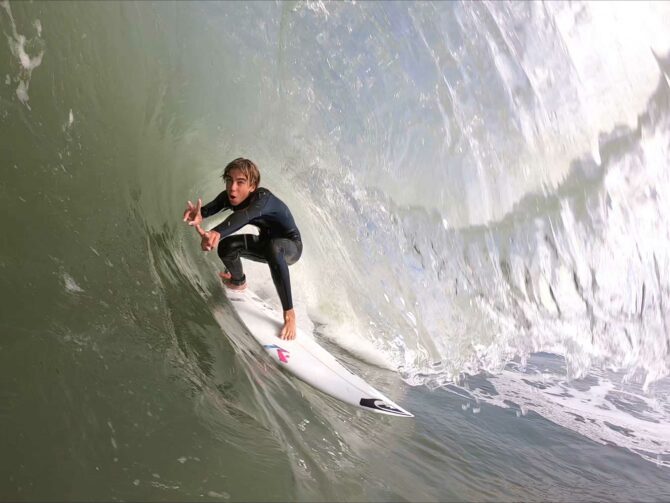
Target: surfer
[278, 243]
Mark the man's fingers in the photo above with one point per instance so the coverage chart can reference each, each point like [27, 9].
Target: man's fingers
[199, 204]
[188, 211]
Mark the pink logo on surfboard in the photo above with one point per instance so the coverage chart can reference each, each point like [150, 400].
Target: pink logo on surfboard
[282, 354]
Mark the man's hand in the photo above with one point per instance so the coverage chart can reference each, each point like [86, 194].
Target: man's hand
[288, 331]
[210, 239]
[192, 214]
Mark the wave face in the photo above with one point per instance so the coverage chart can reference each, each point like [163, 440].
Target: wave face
[483, 193]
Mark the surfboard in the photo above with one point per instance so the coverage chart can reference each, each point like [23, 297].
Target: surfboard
[306, 359]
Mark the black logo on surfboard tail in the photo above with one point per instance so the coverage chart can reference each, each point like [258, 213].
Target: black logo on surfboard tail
[381, 405]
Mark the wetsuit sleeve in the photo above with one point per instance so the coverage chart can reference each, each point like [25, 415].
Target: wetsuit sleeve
[240, 218]
[213, 207]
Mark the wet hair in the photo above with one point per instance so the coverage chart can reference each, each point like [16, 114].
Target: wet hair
[245, 166]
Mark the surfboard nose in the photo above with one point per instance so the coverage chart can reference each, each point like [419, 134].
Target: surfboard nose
[384, 406]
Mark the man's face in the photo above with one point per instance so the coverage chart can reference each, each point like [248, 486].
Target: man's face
[238, 187]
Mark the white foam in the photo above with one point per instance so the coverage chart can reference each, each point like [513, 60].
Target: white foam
[351, 337]
[17, 45]
[592, 412]
[70, 284]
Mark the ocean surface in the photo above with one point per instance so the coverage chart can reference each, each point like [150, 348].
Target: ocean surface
[483, 190]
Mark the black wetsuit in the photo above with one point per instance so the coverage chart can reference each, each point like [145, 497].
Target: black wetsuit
[278, 242]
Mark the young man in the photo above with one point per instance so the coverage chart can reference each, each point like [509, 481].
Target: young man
[278, 243]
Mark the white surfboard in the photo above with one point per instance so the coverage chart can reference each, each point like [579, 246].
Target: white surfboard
[305, 359]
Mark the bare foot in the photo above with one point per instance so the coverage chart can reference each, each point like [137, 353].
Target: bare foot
[226, 278]
[288, 330]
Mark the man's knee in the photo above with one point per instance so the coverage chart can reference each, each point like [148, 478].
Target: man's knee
[228, 249]
[283, 251]
[276, 249]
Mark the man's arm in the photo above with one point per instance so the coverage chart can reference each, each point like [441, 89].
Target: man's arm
[221, 202]
[194, 213]
[240, 218]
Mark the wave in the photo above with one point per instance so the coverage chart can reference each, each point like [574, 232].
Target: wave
[475, 182]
